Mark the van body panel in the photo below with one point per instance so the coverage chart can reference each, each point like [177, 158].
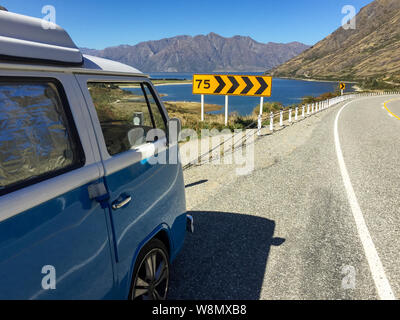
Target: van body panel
[68, 233]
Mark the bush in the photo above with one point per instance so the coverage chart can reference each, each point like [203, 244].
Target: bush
[268, 107]
[375, 84]
[322, 97]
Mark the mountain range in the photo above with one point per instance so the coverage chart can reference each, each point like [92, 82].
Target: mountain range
[371, 50]
[202, 53]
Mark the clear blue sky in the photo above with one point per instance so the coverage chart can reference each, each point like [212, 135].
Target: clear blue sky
[99, 24]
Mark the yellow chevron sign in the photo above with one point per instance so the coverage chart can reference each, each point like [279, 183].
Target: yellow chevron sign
[232, 85]
[342, 86]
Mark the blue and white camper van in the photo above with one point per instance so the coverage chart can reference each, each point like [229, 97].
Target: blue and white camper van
[86, 209]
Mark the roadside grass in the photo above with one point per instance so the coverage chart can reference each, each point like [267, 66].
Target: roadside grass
[190, 116]
[189, 113]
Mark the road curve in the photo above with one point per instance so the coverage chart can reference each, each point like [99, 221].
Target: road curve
[288, 230]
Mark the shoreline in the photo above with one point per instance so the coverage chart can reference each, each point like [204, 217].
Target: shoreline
[158, 85]
[173, 84]
[284, 78]
[316, 80]
[193, 106]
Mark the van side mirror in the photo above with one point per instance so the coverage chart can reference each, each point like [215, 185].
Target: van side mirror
[138, 119]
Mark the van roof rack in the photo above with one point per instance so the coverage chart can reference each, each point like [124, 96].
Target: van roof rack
[24, 38]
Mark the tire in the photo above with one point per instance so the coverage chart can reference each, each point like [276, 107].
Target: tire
[150, 278]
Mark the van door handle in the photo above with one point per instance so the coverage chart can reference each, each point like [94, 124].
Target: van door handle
[120, 204]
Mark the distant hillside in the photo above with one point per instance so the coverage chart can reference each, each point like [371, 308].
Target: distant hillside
[201, 53]
[371, 50]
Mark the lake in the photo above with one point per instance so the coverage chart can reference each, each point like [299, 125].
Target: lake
[286, 91]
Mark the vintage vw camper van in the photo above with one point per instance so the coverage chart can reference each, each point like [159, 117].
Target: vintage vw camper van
[87, 209]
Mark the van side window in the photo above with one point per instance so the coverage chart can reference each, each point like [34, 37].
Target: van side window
[127, 112]
[37, 137]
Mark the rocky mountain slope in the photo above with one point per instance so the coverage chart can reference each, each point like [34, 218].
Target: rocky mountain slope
[203, 53]
[371, 50]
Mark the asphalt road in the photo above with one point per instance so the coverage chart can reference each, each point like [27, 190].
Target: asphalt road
[291, 230]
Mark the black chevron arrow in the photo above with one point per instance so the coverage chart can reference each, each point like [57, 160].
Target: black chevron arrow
[235, 85]
[250, 85]
[222, 84]
[264, 86]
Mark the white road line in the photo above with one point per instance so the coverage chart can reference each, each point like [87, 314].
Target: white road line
[378, 273]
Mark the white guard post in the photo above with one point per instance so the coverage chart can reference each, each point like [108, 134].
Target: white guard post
[271, 122]
[202, 107]
[281, 119]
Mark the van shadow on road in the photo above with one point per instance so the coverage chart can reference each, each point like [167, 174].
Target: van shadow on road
[225, 258]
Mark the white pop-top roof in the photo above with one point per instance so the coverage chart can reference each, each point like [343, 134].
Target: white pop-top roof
[96, 63]
[26, 37]
[23, 37]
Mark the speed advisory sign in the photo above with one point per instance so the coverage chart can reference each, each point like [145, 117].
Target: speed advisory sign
[232, 85]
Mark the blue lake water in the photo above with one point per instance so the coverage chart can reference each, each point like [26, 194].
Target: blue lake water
[286, 91]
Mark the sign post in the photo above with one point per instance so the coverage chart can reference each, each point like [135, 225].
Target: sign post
[342, 87]
[232, 85]
[226, 110]
[260, 116]
[202, 107]
[261, 105]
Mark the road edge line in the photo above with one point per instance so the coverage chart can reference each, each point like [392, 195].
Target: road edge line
[376, 267]
[390, 112]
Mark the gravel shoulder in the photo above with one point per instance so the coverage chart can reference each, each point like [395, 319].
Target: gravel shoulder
[269, 150]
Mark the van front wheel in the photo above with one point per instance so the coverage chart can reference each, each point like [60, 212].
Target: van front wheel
[151, 274]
